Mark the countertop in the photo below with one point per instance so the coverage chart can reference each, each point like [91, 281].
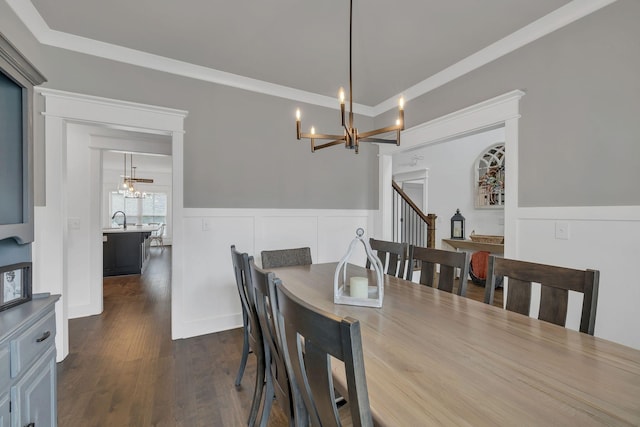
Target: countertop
[143, 228]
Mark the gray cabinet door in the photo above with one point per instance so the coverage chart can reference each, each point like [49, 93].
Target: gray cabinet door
[34, 396]
[5, 415]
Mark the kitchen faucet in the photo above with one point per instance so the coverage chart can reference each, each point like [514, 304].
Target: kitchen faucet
[123, 214]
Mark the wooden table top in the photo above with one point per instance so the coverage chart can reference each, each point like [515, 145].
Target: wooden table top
[434, 358]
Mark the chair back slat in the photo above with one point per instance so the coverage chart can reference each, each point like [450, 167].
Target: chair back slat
[427, 274]
[553, 305]
[555, 283]
[243, 282]
[519, 296]
[242, 272]
[264, 293]
[321, 383]
[449, 263]
[393, 256]
[447, 278]
[312, 340]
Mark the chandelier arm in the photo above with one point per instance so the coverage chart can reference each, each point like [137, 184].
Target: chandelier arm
[379, 131]
[329, 144]
[381, 140]
[322, 136]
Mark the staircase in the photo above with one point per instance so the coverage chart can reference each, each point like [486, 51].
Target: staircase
[410, 224]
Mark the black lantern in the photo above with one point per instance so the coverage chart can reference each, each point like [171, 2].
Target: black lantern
[457, 226]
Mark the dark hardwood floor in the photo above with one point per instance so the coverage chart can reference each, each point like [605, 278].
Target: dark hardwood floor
[123, 369]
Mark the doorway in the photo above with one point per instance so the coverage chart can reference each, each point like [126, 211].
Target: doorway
[500, 111]
[55, 225]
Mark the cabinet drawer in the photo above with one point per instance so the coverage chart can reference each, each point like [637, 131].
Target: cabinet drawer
[4, 369]
[33, 343]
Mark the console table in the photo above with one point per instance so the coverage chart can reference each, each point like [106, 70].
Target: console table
[470, 245]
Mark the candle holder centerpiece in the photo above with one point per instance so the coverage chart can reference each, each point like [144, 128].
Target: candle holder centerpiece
[350, 287]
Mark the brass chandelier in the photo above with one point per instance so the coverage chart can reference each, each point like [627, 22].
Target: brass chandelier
[128, 181]
[351, 138]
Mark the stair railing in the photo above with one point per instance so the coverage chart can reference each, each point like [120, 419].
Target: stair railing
[410, 224]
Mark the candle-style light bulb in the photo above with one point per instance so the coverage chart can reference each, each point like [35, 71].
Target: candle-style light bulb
[298, 115]
[313, 141]
[298, 123]
[341, 95]
[401, 113]
[398, 122]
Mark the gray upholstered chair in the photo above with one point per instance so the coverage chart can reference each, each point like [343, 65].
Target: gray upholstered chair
[286, 257]
[449, 263]
[392, 254]
[312, 341]
[252, 332]
[556, 282]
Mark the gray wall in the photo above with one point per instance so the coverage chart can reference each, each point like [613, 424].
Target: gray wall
[580, 125]
[240, 149]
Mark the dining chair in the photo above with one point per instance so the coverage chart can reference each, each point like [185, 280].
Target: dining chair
[392, 254]
[449, 263]
[157, 236]
[277, 380]
[252, 332]
[286, 257]
[556, 282]
[312, 341]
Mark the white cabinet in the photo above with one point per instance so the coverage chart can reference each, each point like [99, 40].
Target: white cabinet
[28, 364]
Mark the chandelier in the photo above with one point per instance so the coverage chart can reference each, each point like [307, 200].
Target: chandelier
[128, 181]
[351, 137]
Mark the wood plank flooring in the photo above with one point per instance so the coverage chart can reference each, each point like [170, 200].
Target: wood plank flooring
[123, 369]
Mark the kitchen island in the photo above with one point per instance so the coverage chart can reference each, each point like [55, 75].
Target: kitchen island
[126, 251]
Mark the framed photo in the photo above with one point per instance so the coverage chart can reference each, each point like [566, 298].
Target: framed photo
[15, 284]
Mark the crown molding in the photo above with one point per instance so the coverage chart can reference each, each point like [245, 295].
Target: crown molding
[559, 18]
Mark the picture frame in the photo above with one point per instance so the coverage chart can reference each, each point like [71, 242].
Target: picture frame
[15, 285]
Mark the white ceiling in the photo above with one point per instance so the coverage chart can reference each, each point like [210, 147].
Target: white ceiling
[302, 44]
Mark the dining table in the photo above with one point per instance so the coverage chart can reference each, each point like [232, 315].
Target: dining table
[433, 358]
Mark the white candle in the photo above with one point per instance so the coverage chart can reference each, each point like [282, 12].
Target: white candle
[359, 287]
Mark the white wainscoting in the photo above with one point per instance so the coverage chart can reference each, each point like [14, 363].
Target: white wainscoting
[209, 300]
[600, 238]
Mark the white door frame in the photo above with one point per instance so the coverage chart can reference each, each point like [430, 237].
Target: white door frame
[51, 231]
[503, 109]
